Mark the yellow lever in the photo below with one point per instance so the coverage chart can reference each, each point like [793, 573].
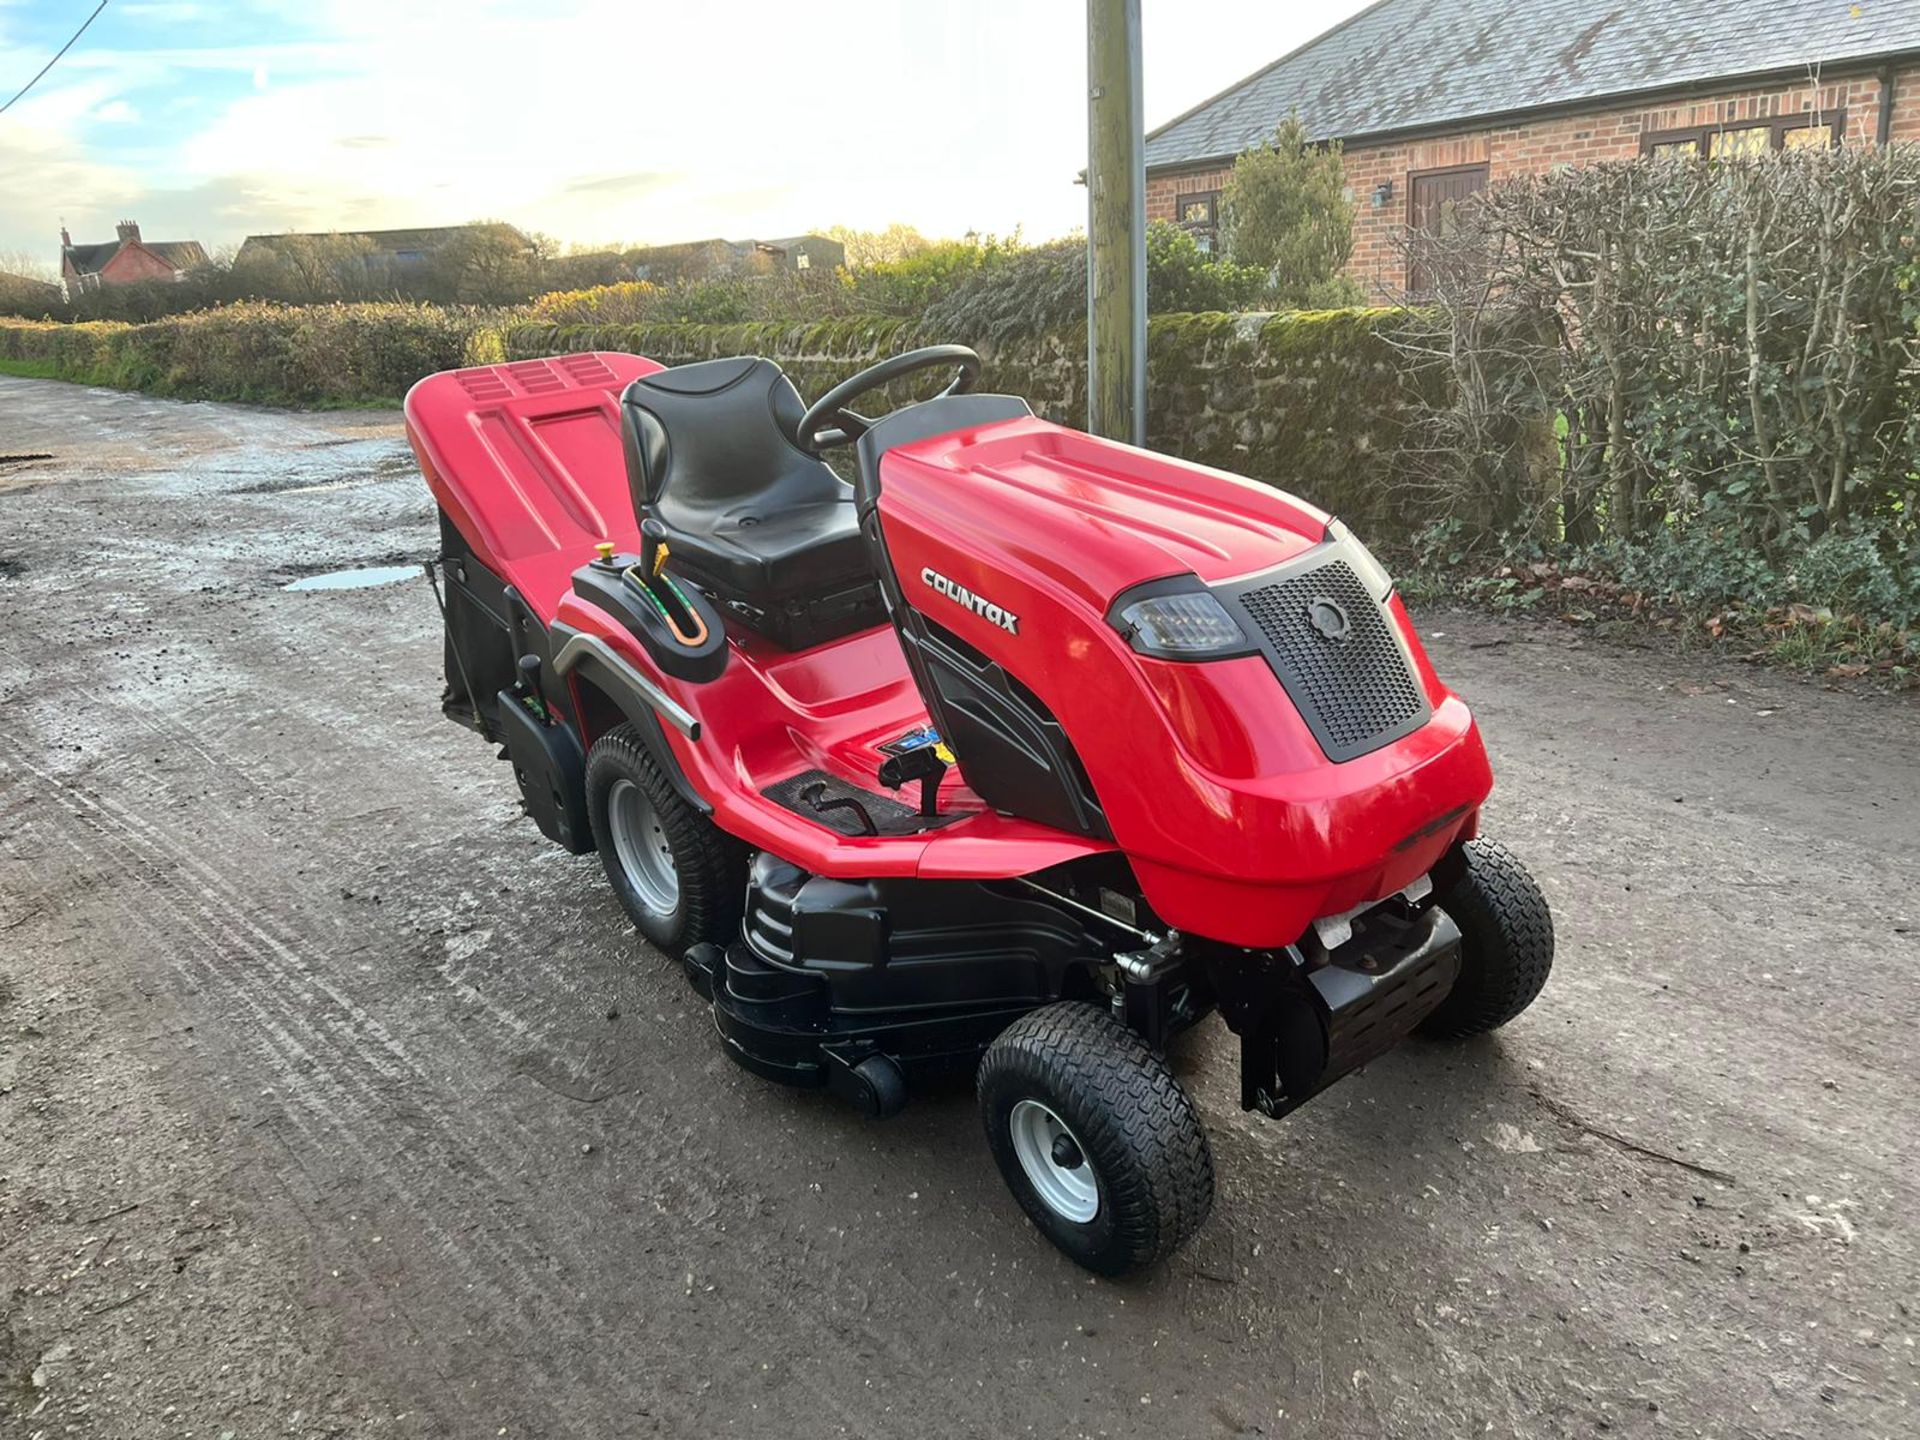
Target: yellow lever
[659, 557]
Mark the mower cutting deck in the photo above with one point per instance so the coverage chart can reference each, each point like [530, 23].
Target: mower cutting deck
[1018, 755]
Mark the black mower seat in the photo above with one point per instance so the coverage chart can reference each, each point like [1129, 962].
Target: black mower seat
[765, 527]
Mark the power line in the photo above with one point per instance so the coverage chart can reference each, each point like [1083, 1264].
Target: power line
[56, 59]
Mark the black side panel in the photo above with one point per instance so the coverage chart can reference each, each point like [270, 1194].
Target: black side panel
[551, 773]
[904, 945]
[1012, 752]
[1010, 749]
[480, 655]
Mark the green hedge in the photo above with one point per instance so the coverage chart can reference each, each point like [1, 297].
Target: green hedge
[1314, 402]
[314, 355]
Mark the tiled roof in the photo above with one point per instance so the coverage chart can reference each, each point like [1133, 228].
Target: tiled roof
[89, 259]
[1410, 64]
[181, 254]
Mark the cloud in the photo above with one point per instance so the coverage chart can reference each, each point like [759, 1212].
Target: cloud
[596, 120]
[608, 185]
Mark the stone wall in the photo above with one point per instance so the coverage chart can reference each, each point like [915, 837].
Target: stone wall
[1314, 403]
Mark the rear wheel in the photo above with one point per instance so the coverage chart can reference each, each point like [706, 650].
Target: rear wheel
[1096, 1139]
[1506, 943]
[678, 875]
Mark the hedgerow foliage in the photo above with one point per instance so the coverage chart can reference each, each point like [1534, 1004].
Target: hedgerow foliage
[309, 355]
[982, 290]
[1731, 356]
[1316, 402]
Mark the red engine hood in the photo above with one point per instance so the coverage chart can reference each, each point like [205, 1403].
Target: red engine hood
[1096, 517]
[1237, 823]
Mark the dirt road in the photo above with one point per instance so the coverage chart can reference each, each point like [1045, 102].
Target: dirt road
[334, 1101]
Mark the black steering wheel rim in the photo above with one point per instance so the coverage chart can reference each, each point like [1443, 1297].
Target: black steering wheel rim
[829, 423]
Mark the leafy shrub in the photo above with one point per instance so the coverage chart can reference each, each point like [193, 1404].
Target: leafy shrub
[1861, 574]
[1737, 341]
[630, 302]
[1285, 213]
[320, 354]
[1044, 288]
[1699, 567]
[1183, 279]
[909, 286]
[1041, 288]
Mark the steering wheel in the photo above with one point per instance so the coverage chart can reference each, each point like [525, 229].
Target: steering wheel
[829, 423]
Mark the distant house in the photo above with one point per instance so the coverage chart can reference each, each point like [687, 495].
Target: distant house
[393, 252]
[127, 260]
[1433, 102]
[704, 259]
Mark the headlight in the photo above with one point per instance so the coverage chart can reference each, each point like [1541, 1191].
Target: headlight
[1183, 622]
[1372, 573]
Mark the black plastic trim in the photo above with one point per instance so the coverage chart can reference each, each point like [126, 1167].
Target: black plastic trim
[611, 585]
[551, 771]
[941, 415]
[639, 713]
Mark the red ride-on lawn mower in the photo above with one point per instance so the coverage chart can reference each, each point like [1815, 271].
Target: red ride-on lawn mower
[1020, 755]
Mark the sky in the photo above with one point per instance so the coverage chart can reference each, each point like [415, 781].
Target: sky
[595, 121]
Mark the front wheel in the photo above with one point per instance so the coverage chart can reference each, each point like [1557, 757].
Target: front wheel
[1506, 943]
[1095, 1137]
[679, 876]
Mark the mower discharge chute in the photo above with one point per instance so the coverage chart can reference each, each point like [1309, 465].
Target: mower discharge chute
[1015, 757]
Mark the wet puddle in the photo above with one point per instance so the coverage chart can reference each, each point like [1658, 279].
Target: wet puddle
[362, 579]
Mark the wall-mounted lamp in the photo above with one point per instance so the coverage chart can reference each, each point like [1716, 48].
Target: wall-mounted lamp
[1382, 194]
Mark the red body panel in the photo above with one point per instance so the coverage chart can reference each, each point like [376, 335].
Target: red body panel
[771, 715]
[526, 460]
[1237, 826]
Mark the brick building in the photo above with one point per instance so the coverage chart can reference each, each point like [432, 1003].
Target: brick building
[1433, 100]
[126, 260]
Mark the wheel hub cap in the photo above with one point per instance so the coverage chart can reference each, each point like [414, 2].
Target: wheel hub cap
[1054, 1162]
[641, 845]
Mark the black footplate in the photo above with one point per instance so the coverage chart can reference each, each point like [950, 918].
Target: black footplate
[848, 809]
[1301, 1029]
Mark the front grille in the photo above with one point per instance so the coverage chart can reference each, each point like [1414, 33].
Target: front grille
[1347, 676]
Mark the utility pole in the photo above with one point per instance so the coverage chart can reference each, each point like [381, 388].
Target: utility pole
[1116, 225]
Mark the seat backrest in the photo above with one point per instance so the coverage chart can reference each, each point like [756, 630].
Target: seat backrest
[705, 437]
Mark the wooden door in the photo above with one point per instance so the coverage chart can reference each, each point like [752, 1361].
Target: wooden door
[1431, 198]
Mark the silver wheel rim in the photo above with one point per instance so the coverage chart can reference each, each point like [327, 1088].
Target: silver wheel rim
[641, 845]
[1070, 1192]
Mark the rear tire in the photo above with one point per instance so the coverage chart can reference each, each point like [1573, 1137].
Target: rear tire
[680, 878]
[1096, 1139]
[1506, 943]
